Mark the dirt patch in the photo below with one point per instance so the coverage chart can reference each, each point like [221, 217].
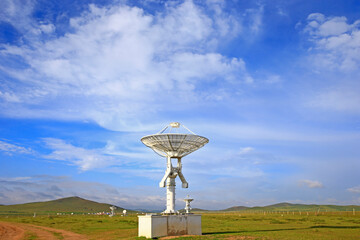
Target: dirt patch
[15, 231]
[10, 231]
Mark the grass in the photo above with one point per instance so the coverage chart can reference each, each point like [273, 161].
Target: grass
[226, 225]
[30, 236]
[58, 235]
[282, 226]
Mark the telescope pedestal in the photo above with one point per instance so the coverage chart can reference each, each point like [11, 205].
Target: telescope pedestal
[170, 195]
[152, 226]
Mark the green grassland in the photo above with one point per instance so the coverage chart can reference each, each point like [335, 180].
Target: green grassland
[220, 225]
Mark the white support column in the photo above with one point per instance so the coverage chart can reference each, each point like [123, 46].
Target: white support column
[181, 176]
[170, 194]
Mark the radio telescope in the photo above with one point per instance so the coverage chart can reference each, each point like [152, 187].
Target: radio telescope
[171, 144]
[187, 201]
[112, 208]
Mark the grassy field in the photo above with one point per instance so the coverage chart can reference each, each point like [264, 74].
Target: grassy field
[227, 225]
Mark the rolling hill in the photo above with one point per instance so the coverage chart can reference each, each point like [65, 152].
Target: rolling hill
[296, 207]
[236, 208]
[63, 205]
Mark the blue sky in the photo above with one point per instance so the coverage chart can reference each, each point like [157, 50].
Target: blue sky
[274, 85]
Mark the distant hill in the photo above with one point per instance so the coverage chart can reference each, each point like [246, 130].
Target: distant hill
[236, 208]
[280, 207]
[194, 210]
[63, 205]
[296, 207]
[142, 210]
[199, 210]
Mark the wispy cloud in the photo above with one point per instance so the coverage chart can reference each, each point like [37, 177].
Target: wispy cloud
[236, 131]
[354, 189]
[255, 19]
[18, 13]
[340, 98]
[85, 159]
[108, 158]
[311, 183]
[13, 148]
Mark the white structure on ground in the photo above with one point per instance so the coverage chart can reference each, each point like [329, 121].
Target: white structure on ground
[112, 208]
[124, 212]
[172, 144]
[152, 226]
[187, 204]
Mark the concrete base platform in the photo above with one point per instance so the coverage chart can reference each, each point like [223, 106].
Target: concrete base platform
[152, 226]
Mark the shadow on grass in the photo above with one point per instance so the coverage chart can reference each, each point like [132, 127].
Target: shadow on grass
[283, 229]
[325, 226]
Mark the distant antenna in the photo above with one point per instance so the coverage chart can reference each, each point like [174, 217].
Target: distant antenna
[112, 208]
[187, 204]
[173, 145]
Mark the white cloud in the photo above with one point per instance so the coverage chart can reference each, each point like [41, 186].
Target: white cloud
[319, 25]
[246, 150]
[14, 179]
[9, 97]
[110, 158]
[336, 42]
[334, 57]
[226, 25]
[311, 183]
[231, 132]
[12, 148]
[119, 63]
[354, 189]
[245, 163]
[273, 79]
[85, 159]
[17, 12]
[343, 98]
[255, 19]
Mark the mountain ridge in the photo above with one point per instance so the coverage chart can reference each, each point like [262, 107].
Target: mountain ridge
[73, 204]
[285, 206]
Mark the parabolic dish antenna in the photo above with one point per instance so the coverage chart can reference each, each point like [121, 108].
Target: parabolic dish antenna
[174, 145]
[170, 143]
